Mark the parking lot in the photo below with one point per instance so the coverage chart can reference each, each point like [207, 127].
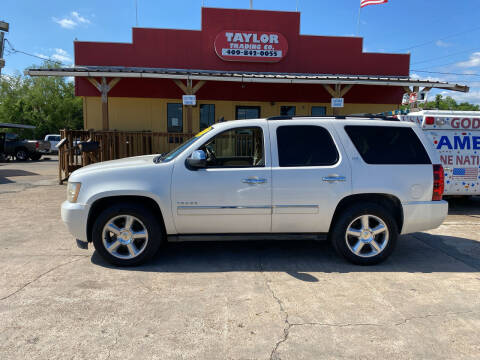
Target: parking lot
[237, 300]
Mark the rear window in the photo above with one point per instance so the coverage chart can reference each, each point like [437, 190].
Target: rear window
[305, 145]
[388, 145]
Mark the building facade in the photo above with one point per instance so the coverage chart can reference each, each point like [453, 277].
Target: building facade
[264, 42]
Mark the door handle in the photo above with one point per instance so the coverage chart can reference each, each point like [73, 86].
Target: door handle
[334, 178]
[254, 181]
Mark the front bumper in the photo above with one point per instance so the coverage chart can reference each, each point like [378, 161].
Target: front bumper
[75, 217]
[423, 215]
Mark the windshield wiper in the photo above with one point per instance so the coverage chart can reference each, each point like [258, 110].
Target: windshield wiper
[159, 158]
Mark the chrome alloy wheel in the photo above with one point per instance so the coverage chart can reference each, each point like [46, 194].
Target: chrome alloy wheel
[367, 236]
[125, 236]
[21, 155]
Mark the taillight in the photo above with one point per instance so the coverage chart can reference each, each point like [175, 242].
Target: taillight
[36, 145]
[438, 182]
[429, 120]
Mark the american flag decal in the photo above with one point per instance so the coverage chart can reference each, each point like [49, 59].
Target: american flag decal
[470, 173]
[371, 2]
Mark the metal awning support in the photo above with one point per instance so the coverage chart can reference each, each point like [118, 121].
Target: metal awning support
[104, 88]
[243, 76]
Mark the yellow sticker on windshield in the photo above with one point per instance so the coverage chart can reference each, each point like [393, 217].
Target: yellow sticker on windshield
[204, 131]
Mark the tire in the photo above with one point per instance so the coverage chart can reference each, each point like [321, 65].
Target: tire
[21, 154]
[36, 156]
[364, 247]
[118, 246]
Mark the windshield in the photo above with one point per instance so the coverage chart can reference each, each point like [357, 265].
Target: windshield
[178, 150]
[12, 137]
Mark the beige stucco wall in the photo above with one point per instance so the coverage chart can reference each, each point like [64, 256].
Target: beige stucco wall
[150, 114]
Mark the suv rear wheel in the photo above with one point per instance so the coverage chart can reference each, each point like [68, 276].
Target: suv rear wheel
[36, 156]
[126, 234]
[365, 234]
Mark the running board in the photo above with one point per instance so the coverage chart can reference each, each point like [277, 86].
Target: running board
[243, 237]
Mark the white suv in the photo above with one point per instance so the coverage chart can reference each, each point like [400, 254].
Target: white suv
[358, 182]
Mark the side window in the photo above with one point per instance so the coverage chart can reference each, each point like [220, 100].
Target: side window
[240, 147]
[175, 118]
[287, 110]
[305, 145]
[247, 112]
[319, 111]
[388, 145]
[207, 115]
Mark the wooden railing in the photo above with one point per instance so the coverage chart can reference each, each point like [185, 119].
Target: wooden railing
[112, 145]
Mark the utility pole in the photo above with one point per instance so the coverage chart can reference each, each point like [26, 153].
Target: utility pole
[136, 13]
[251, 4]
[3, 29]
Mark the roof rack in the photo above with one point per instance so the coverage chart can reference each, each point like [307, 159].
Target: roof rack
[338, 117]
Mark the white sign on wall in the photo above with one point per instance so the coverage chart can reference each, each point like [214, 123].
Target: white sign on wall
[189, 100]
[337, 102]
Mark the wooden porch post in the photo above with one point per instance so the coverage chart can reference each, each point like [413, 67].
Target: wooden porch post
[189, 89]
[104, 87]
[337, 93]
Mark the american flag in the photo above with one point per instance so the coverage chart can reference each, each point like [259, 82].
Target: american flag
[364, 3]
[470, 173]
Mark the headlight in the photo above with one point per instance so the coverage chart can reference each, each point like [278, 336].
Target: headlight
[73, 188]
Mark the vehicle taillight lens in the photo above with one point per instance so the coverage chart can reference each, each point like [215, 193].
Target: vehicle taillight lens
[36, 145]
[438, 182]
[429, 120]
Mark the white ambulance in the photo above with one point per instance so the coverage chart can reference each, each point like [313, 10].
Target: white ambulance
[455, 135]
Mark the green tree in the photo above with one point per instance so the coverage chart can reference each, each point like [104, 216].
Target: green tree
[48, 103]
[447, 103]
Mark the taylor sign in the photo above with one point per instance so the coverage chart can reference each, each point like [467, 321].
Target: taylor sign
[259, 46]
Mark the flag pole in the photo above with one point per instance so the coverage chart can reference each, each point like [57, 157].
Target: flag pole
[358, 22]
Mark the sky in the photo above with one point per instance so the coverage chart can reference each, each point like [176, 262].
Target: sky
[443, 36]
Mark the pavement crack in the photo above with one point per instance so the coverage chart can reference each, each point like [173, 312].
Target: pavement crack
[40, 276]
[287, 325]
[334, 325]
[111, 347]
[398, 323]
[404, 321]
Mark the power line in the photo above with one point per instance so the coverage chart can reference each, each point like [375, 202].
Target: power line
[444, 73]
[15, 51]
[450, 63]
[445, 56]
[443, 38]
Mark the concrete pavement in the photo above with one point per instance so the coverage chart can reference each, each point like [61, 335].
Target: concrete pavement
[245, 300]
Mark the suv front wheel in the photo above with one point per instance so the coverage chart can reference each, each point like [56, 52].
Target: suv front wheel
[126, 234]
[365, 234]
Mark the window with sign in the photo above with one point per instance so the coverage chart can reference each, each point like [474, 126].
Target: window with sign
[287, 110]
[207, 115]
[319, 111]
[175, 118]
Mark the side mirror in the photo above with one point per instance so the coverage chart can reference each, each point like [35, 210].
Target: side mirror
[198, 160]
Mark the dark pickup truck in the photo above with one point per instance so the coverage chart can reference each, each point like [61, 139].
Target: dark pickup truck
[22, 150]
